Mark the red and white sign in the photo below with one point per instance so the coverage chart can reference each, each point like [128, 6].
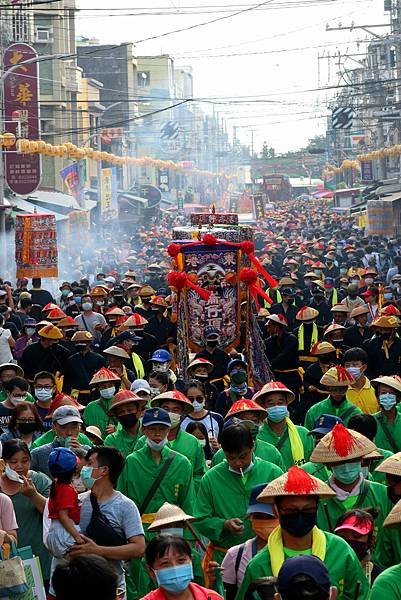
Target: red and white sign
[21, 94]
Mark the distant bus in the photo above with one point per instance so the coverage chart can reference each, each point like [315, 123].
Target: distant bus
[277, 186]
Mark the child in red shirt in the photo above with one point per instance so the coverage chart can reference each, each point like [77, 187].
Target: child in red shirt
[64, 510]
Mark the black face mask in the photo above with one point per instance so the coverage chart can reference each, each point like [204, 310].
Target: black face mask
[386, 336]
[69, 333]
[392, 495]
[360, 548]
[27, 427]
[212, 343]
[298, 524]
[201, 377]
[80, 347]
[128, 421]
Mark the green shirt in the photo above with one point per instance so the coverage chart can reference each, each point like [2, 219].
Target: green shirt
[266, 434]
[30, 521]
[317, 470]
[49, 436]
[262, 450]
[376, 496]
[140, 471]
[382, 439]
[388, 547]
[387, 585]
[343, 566]
[122, 440]
[224, 495]
[96, 413]
[187, 445]
[345, 411]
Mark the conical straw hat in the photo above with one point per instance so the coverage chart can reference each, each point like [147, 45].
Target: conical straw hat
[394, 516]
[103, 375]
[391, 465]
[337, 377]
[341, 444]
[167, 514]
[393, 381]
[295, 482]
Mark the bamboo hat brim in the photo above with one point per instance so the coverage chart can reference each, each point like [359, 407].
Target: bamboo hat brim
[391, 465]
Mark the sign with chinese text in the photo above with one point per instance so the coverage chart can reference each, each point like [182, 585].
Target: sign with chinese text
[367, 170]
[36, 246]
[106, 193]
[258, 206]
[20, 92]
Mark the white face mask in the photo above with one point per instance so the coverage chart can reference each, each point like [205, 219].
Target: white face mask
[30, 331]
[160, 367]
[198, 406]
[175, 419]
[156, 446]
[154, 391]
[12, 475]
[107, 393]
[17, 399]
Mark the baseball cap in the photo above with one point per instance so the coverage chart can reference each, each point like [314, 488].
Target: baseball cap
[156, 416]
[325, 423]
[260, 507]
[354, 524]
[311, 566]
[66, 414]
[161, 356]
[210, 332]
[127, 335]
[62, 460]
[140, 385]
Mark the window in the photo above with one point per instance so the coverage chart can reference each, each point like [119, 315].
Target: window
[143, 78]
[21, 26]
[43, 34]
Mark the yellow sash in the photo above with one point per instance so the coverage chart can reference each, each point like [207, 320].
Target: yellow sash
[140, 371]
[276, 550]
[301, 341]
[297, 447]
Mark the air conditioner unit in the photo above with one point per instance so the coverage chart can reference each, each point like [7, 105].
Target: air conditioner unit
[43, 35]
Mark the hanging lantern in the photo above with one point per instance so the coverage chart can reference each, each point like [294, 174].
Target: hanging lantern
[33, 147]
[8, 139]
[41, 146]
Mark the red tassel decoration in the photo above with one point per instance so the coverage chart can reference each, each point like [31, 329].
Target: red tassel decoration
[173, 249]
[299, 482]
[390, 310]
[343, 375]
[341, 440]
[248, 248]
[180, 280]
[248, 276]
[209, 239]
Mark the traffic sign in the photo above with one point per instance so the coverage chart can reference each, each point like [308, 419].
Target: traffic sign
[342, 118]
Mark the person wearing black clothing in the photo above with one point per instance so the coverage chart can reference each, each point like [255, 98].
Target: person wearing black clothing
[5, 312]
[357, 334]
[39, 296]
[281, 348]
[286, 307]
[307, 334]
[158, 325]
[81, 366]
[320, 304]
[46, 354]
[326, 355]
[384, 349]
[145, 309]
[216, 356]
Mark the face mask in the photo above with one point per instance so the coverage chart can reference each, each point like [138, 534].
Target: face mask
[100, 302]
[392, 495]
[212, 343]
[43, 395]
[80, 347]
[298, 524]
[264, 527]
[385, 335]
[87, 305]
[175, 579]
[347, 473]
[30, 331]
[87, 479]
[17, 399]
[65, 293]
[318, 271]
[360, 548]
[337, 342]
[368, 280]
[154, 392]
[277, 413]
[175, 419]
[78, 485]
[355, 281]
[107, 393]
[201, 377]
[202, 443]
[156, 446]
[198, 406]
[128, 421]
[238, 376]
[160, 367]
[387, 401]
[63, 442]
[343, 271]
[173, 531]
[69, 333]
[12, 475]
[365, 472]
[249, 468]
[26, 427]
[355, 372]
[77, 299]
[387, 296]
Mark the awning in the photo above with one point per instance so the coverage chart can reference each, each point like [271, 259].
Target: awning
[132, 198]
[23, 205]
[57, 198]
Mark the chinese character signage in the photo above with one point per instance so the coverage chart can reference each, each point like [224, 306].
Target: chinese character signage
[106, 193]
[36, 246]
[367, 170]
[20, 92]
[258, 206]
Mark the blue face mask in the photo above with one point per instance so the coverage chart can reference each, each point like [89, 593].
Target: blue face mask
[248, 468]
[77, 299]
[365, 472]
[87, 479]
[173, 531]
[277, 413]
[175, 579]
[156, 446]
[347, 473]
[387, 400]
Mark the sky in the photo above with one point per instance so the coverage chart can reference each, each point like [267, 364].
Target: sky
[260, 67]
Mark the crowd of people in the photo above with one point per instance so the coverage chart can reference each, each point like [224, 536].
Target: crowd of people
[131, 478]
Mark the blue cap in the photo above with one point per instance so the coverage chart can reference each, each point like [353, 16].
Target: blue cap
[210, 331]
[325, 423]
[236, 362]
[161, 356]
[311, 566]
[260, 507]
[127, 335]
[156, 416]
[62, 460]
[328, 280]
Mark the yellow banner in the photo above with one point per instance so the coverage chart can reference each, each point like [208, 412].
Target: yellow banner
[105, 190]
